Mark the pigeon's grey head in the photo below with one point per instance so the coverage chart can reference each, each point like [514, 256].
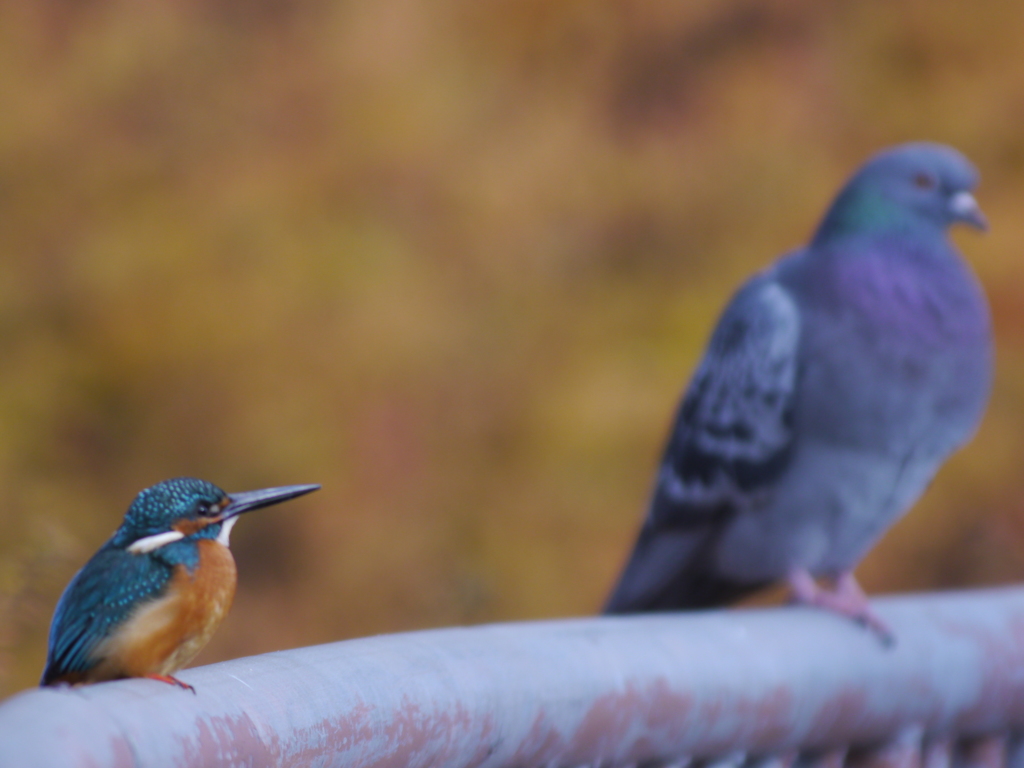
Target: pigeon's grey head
[911, 188]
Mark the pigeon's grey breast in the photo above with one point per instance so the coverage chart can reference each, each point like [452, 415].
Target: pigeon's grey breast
[896, 341]
[894, 370]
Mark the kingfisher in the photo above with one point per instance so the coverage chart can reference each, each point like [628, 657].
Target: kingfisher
[149, 600]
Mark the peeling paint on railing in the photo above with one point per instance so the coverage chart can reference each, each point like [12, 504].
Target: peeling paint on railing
[772, 688]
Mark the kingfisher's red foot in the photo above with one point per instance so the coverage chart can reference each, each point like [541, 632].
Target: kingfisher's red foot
[172, 681]
[846, 599]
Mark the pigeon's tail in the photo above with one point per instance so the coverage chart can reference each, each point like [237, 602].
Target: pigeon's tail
[666, 573]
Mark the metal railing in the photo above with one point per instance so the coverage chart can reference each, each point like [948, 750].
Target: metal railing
[770, 688]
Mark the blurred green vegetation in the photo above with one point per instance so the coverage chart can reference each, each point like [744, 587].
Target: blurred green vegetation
[454, 260]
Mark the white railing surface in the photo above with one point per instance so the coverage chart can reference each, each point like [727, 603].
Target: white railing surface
[771, 687]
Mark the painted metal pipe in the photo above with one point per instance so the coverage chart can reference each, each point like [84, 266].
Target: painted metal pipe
[760, 686]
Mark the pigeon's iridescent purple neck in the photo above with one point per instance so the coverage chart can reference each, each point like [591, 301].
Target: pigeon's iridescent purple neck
[928, 294]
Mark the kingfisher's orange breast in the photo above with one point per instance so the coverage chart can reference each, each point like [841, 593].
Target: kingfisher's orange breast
[165, 634]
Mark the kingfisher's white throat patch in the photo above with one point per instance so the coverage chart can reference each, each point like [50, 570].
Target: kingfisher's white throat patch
[225, 530]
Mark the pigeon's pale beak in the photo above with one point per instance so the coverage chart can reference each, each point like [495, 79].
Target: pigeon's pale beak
[963, 207]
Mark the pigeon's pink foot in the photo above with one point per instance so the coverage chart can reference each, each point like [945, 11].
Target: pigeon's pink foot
[846, 599]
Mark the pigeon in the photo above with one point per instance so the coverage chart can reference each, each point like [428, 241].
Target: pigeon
[834, 386]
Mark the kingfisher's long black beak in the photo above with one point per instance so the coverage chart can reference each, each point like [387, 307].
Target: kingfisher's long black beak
[247, 501]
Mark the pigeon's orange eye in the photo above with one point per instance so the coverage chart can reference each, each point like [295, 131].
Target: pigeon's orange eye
[924, 181]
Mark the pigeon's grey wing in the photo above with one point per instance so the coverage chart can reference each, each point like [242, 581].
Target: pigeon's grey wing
[732, 439]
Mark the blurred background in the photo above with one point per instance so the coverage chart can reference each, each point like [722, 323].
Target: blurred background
[452, 259]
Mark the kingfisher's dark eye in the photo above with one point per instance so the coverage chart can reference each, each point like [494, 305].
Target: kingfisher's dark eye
[924, 181]
[205, 510]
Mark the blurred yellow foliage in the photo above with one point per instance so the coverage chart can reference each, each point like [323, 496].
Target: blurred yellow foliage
[453, 260]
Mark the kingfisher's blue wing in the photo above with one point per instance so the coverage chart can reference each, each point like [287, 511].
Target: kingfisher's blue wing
[99, 598]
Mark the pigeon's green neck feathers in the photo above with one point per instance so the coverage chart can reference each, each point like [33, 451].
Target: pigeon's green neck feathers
[865, 212]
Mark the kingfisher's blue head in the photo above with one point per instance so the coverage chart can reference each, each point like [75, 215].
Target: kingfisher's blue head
[189, 509]
[917, 188]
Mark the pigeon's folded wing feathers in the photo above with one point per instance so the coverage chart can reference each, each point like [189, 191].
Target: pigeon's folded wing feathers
[734, 433]
[732, 438]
